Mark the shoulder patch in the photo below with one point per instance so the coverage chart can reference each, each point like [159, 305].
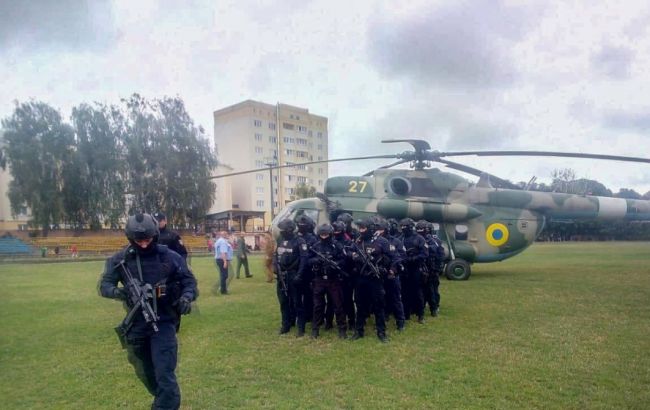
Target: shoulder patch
[180, 241]
[304, 246]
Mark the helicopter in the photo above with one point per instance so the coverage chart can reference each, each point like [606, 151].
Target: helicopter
[487, 221]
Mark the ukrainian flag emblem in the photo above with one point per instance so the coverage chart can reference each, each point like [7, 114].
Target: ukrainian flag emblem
[497, 234]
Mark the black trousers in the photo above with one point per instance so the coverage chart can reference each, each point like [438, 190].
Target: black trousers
[154, 356]
[369, 295]
[412, 296]
[394, 304]
[334, 290]
[431, 291]
[242, 260]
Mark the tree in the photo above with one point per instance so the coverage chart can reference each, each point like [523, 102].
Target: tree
[38, 148]
[628, 194]
[169, 159]
[303, 191]
[96, 192]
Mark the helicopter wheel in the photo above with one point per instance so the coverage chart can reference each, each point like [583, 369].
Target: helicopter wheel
[458, 269]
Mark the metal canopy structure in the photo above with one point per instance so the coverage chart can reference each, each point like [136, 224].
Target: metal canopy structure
[223, 220]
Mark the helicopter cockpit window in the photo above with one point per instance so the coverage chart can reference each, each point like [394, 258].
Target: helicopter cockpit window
[461, 232]
[312, 213]
[424, 187]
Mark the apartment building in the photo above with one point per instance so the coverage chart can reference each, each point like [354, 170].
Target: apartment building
[251, 135]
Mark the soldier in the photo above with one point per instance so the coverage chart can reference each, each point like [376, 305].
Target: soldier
[428, 279]
[242, 257]
[438, 252]
[289, 264]
[306, 227]
[347, 219]
[327, 257]
[416, 256]
[348, 267]
[392, 284]
[374, 260]
[170, 238]
[152, 351]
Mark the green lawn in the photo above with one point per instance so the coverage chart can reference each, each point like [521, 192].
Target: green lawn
[561, 326]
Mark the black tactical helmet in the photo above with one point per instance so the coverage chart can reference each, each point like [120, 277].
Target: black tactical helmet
[381, 224]
[325, 229]
[407, 223]
[361, 223]
[305, 223]
[338, 226]
[421, 226]
[287, 225]
[141, 226]
[346, 218]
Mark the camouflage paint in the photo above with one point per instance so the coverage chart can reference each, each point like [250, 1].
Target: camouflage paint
[500, 222]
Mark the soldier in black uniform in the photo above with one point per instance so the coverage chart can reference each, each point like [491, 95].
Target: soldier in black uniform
[373, 261]
[152, 351]
[348, 266]
[327, 258]
[347, 219]
[306, 227]
[416, 257]
[169, 238]
[289, 264]
[392, 284]
[438, 260]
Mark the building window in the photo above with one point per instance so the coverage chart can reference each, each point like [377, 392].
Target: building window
[259, 190]
[260, 203]
[259, 164]
[319, 147]
[257, 123]
[258, 150]
[301, 154]
[320, 182]
[320, 158]
[273, 139]
[302, 180]
[301, 141]
[320, 171]
[258, 137]
[289, 152]
[310, 133]
[287, 126]
[271, 125]
[320, 135]
[302, 129]
[259, 177]
[290, 191]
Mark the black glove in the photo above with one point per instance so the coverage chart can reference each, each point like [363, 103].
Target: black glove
[119, 293]
[183, 305]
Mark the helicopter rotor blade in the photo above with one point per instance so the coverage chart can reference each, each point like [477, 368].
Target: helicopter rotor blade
[418, 145]
[274, 167]
[501, 183]
[437, 154]
[401, 161]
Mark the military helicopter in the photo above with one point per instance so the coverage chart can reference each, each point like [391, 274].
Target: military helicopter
[488, 221]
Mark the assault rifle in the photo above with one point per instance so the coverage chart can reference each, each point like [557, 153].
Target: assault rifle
[140, 298]
[365, 258]
[329, 263]
[282, 277]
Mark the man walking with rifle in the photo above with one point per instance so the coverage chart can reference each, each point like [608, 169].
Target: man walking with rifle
[157, 288]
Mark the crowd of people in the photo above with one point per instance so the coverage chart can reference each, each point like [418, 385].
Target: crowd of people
[380, 267]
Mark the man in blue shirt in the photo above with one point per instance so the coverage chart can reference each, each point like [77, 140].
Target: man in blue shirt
[223, 256]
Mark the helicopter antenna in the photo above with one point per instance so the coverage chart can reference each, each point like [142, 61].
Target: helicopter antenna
[530, 183]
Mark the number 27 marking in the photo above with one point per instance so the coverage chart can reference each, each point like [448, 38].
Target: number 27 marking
[357, 186]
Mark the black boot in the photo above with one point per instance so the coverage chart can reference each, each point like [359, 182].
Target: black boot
[284, 329]
[421, 319]
[357, 335]
[328, 325]
[400, 326]
[301, 332]
[343, 334]
[315, 333]
[382, 337]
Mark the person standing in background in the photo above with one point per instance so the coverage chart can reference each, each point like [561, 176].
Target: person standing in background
[223, 256]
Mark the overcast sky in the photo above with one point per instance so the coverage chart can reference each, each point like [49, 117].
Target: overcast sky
[463, 75]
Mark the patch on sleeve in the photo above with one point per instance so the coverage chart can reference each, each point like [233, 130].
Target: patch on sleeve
[180, 242]
[304, 246]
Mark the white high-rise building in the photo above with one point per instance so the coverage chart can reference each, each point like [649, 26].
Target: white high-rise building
[252, 135]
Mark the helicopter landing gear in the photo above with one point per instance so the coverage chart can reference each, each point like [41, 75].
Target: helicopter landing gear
[458, 269]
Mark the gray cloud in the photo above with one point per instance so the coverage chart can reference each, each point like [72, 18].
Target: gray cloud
[613, 62]
[35, 25]
[465, 44]
[627, 120]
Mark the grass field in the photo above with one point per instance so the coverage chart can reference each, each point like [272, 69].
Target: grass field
[561, 326]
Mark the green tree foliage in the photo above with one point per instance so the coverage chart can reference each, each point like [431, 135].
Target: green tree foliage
[169, 159]
[99, 168]
[303, 191]
[628, 194]
[39, 149]
[138, 156]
